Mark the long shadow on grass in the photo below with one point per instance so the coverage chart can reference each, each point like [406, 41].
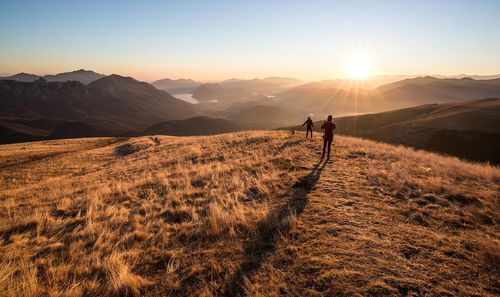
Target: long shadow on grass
[269, 229]
[287, 144]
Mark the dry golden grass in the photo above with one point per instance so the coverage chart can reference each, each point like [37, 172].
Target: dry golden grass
[244, 214]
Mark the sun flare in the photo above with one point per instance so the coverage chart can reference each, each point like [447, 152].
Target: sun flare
[358, 67]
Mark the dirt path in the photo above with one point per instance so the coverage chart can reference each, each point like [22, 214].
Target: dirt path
[330, 205]
[342, 227]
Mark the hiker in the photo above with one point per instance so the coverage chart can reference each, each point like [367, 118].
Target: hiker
[310, 126]
[328, 126]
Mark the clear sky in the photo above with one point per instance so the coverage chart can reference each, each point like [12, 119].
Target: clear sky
[211, 40]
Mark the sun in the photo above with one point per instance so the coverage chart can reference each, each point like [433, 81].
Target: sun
[358, 67]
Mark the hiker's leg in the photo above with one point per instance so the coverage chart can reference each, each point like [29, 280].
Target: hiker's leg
[329, 147]
[324, 147]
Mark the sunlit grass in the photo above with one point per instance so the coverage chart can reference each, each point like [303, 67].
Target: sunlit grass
[85, 217]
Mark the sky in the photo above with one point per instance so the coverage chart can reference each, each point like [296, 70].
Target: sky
[213, 40]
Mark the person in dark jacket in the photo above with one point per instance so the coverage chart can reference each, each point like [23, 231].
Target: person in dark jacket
[310, 126]
[328, 126]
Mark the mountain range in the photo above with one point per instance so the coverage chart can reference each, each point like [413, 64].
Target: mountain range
[83, 76]
[115, 105]
[379, 80]
[346, 98]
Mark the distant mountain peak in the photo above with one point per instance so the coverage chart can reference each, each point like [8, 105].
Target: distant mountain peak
[114, 75]
[82, 71]
[22, 76]
[118, 78]
[81, 75]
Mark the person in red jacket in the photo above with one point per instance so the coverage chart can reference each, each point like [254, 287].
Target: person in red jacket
[328, 126]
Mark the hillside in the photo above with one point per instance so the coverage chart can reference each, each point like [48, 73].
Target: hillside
[261, 116]
[468, 129]
[77, 130]
[193, 126]
[154, 104]
[22, 76]
[244, 214]
[14, 132]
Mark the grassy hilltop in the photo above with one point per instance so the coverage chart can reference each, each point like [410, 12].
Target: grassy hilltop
[244, 214]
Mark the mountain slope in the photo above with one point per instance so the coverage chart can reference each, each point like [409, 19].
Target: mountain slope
[23, 77]
[266, 116]
[468, 129]
[77, 130]
[16, 132]
[193, 126]
[155, 104]
[244, 214]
